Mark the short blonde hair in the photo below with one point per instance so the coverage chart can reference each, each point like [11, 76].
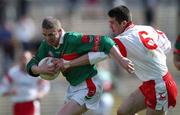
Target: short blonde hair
[51, 23]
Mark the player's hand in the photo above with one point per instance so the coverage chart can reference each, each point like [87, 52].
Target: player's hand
[61, 64]
[46, 68]
[127, 65]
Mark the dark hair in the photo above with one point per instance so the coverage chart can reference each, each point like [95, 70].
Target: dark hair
[120, 13]
[50, 23]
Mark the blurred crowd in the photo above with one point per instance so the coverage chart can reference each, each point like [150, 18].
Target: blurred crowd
[19, 25]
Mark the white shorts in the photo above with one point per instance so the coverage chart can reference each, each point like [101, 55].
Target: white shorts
[87, 93]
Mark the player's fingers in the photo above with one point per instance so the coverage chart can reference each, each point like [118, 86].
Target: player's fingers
[46, 60]
[131, 69]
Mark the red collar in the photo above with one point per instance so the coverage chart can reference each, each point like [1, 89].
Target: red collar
[128, 25]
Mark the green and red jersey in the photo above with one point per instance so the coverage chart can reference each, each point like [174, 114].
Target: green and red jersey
[74, 45]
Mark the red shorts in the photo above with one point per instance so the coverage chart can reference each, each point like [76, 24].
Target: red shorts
[160, 94]
[26, 108]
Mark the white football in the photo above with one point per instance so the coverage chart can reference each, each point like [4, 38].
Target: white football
[46, 76]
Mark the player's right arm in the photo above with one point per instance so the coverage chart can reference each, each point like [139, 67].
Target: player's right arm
[105, 45]
[32, 66]
[90, 58]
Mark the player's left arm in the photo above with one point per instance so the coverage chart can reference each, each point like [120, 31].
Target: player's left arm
[86, 43]
[32, 66]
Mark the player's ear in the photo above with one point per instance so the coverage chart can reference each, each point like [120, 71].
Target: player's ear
[124, 23]
[59, 30]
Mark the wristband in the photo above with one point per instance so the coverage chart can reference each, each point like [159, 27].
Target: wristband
[66, 64]
[95, 57]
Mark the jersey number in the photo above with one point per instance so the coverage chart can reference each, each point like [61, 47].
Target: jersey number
[147, 41]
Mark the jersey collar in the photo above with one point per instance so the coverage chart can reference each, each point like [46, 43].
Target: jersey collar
[62, 36]
[128, 26]
[61, 39]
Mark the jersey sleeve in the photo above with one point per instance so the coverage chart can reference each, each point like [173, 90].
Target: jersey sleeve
[106, 44]
[163, 42]
[90, 43]
[40, 54]
[74, 38]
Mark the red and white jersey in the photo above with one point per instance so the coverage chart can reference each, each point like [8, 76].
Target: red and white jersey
[146, 47]
[24, 86]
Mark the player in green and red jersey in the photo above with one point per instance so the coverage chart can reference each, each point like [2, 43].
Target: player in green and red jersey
[85, 87]
[177, 53]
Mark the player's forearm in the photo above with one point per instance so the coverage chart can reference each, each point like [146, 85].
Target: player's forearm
[116, 55]
[90, 58]
[123, 61]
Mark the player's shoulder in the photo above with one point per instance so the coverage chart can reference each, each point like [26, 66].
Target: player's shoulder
[44, 42]
[72, 34]
[105, 38]
[143, 28]
[137, 29]
[71, 37]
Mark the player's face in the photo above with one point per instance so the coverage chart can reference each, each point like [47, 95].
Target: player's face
[115, 26]
[52, 36]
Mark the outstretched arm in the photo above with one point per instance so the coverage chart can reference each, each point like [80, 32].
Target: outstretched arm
[90, 58]
[123, 61]
[95, 57]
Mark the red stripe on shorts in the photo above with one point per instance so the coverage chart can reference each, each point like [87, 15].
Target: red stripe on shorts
[24, 108]
[91, 87]
[171, 89]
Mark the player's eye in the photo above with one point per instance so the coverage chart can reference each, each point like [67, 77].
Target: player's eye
[51, 34]
[48, 35]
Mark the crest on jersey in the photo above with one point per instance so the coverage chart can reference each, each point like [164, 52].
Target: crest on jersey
[87, 38]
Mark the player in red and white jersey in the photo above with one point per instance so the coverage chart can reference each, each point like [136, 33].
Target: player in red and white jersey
[24, 90]
[147, 48]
